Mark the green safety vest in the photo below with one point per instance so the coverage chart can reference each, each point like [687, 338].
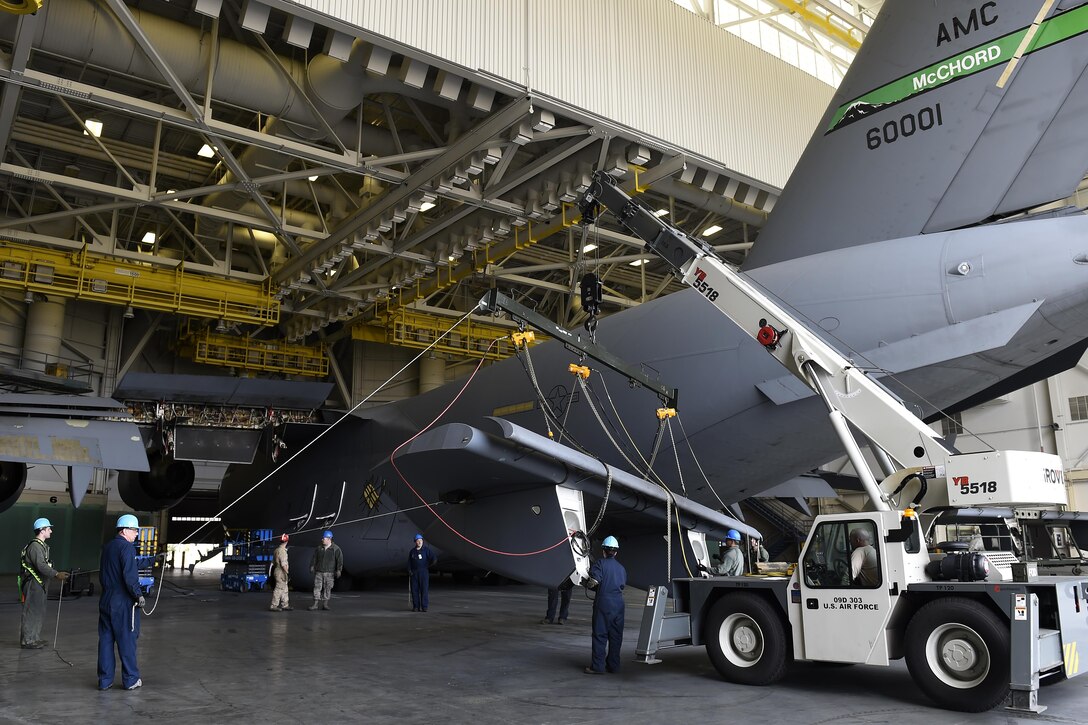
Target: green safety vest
[26, 563]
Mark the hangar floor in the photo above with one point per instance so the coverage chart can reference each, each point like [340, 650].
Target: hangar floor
[478, 656]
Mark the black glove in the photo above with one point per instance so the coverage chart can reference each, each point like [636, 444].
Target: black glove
[140, 602]
[591, 584]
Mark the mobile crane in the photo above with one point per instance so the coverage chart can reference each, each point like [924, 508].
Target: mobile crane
[867, 589]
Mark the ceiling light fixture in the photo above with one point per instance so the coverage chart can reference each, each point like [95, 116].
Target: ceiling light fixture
[427, 206]
[712, 229]
[221, 326]
[312, 178]
[28, 297]
[589, 247]
[638, 262]
[206, 151]
[94, 126]
[128, 314]
[661, 212]
[149, 238]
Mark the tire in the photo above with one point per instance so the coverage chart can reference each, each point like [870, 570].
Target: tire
[746, 639]
[958, 653]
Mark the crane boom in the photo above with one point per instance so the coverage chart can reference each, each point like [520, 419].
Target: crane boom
[851, 395]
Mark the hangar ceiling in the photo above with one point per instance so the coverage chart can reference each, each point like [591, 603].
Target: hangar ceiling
[227, 162]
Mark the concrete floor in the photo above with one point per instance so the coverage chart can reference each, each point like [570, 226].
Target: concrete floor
[478, 656]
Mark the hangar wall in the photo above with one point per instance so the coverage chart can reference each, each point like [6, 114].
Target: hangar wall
[648, 65]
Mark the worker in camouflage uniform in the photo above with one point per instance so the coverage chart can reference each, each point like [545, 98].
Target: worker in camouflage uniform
[326, 565]
[37, 570]
[280, 575]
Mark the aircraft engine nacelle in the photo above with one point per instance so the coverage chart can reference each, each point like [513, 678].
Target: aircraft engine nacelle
[12, 481]
[166, 483]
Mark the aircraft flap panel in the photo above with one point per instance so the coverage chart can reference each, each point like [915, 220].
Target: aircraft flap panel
[101, 444]
[1035, 95]
[222, 445]
[296, 394]
[223, 390]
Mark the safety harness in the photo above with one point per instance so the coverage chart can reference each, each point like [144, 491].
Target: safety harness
[27, 568]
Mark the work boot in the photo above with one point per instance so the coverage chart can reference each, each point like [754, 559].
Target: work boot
[287, 608]
[313, 607]
[325, 604]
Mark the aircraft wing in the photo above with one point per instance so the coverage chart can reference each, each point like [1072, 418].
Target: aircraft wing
[507, 492]
[80, 432]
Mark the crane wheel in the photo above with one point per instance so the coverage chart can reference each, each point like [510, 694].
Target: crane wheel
[746, 640]
[958, 653]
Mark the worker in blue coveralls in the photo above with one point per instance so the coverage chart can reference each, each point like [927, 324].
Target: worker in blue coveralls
[608, 578]
[420, 560]
[118, 620]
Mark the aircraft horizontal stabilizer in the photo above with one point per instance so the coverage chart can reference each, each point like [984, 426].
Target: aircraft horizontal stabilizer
[970, 337]
[65, 430]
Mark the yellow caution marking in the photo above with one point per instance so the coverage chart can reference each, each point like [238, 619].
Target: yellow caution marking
[1072, 659]
[513, 408]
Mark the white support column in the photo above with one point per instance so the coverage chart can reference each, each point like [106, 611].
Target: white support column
[44, 329]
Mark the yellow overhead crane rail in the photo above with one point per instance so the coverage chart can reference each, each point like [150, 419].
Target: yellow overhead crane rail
[242, 353]
[94, 276]
[410, 328]
[821, 20]
[394, 327]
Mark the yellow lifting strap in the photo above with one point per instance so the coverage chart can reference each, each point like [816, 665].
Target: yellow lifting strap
[522, 339]
[663, 413]
[580, 370]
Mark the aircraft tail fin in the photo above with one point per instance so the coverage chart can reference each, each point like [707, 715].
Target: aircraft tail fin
[952, 114]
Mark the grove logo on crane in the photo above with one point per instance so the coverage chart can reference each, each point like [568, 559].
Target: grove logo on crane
[1054, 475]
[699, 283]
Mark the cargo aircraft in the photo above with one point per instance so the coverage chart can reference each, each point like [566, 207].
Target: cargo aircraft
[929, 231]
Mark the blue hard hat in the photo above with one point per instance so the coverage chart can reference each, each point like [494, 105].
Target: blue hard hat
[41, 524]
[733, 534]
[327, 534]
[128, 521]
[419, 537]
[610, 543]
